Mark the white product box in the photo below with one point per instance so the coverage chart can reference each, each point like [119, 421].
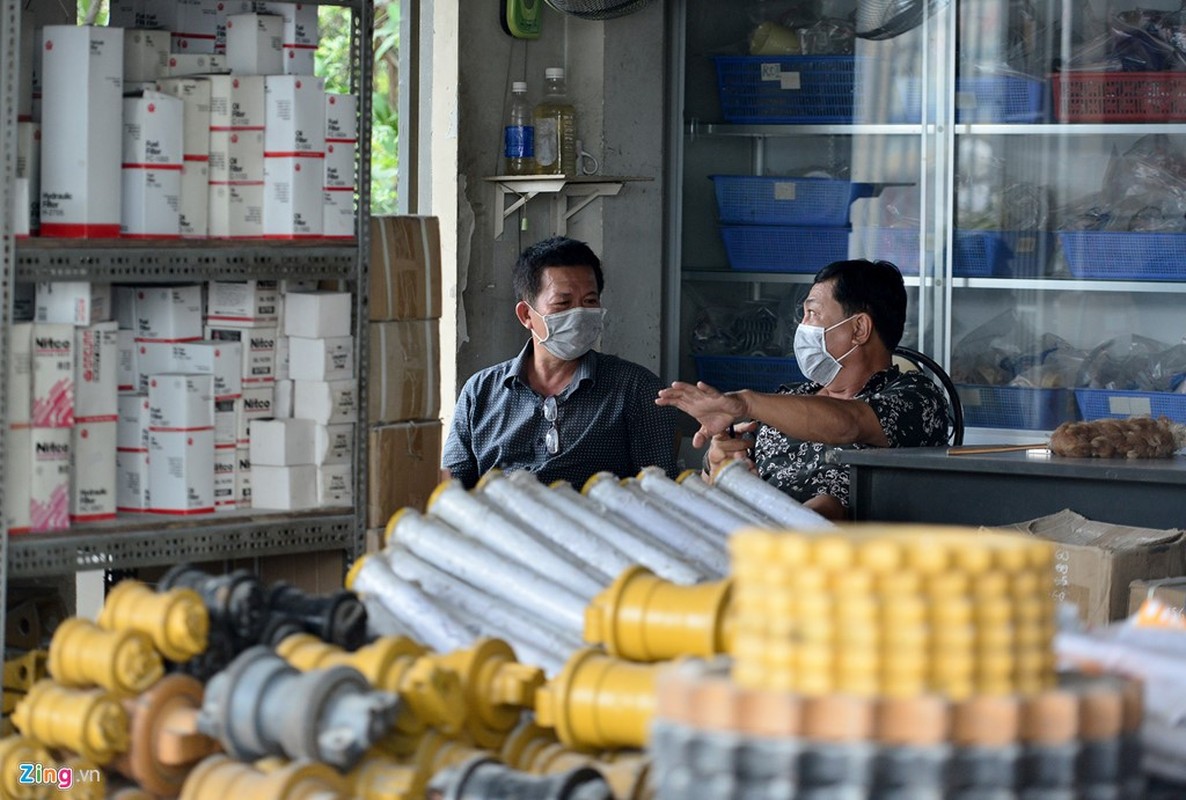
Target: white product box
[254, 44]
[337, 213]
[73, 303]
[285, 442]
[257, 405]
[283, 488]
[242, 478]
[292, 197]
[339, 165]
[247, 304]
[20, 374]
[339, 444]
[138, 14]
[183, 65]
[181, 480]
[223, 360]
[152, 160]
[93, 475]
[131, 435]
[194, 208]
[49, 489]
[300, 59]
[282, 399]
[131, 476]
[194, 93]
[335, 485]
[28, 167]
[320, 359]
[197, 25]
[82, 78]
[224, 478]
[236, 210]
[259, 350]
[282, 359]
[96, 373]
[191, 44]
[18, 478]
[317, 315]
[53, 376]
[150, 203]
[226, 421]
[169, 313]
[327, 402]
[236, 156]
[126, 373]
[146, 53]
[294, 114]
[181, 402]
[237, 101]
[341, 117]
[300, 22]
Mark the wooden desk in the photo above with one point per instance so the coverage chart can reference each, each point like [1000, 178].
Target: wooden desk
[928, 485]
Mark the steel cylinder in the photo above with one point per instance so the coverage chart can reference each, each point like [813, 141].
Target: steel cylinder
[176, 620]
[220, 778]
[599, 702]
[691, 481]
[483, 778]
[715, 522]
[736, 479]
[338, 618]
[236, 602]
[15, 751]
[123, 662]
[497, 688]
[90, 722]
[165, 742]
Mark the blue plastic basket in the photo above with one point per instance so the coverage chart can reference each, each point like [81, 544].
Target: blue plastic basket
[979, 254]
[786, 89]
[1016, 407]
[1116, 404]
[761, 200]
[763, 374]
[1120, 255]
[771, 248]
[995, 98]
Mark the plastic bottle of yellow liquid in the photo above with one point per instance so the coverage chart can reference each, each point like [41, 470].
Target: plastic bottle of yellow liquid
[555, 128]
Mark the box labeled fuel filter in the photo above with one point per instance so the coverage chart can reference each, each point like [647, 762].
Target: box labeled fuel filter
[243, 304]
[224, 478]
[300, 23]
[284, 488]
[320, 359]
[181, 480]
[339, 165]
[93, 471]
[96, 368]
[341, 118]
[337, 213]
[53, 376]
[181, 402]
[73, 303]
[169, 313]
[254, 44]
[405, 273]
[49, 492]
[152, 162]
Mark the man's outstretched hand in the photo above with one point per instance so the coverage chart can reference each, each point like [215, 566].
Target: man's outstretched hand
[713, 410]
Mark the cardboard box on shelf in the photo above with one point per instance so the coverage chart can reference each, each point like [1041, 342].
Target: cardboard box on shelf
[223, 360]
[1096, 561]
[18, 479]
[93, 473]
[193, 212]
[224, 478]
[1170, 591]
[243, 304]
[49, 493]
[146, 52]
[321, 359]
[132, 426]
[152, 161]
[236, 156]
[327, 402]
[404, 360]
[285, 442]
[284, 488]
[181, 479]
[236, 211]
[293, 205]
[335, 485]
[295, 115]
[236, 102]
[341, 117]
[300, 22]
[317, 573]
[96, 379]
[317, 315]
[258, 350]
[181, 402]
[73, 303]
[257, 404]
[408, 457]
[339, 165]
[300, 59]
[405, 273]
[194, 93]
[20, 374]
[254, 44]
[339, 447]
[337, 213]
[53, 376]
[169, 313]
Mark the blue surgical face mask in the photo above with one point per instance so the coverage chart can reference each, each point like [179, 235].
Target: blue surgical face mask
[571, 333]
[811, 352]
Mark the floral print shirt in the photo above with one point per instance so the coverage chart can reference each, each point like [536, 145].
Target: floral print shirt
[913, 413]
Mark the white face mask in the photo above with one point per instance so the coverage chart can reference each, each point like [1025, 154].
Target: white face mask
[571, 333]
[811, 351]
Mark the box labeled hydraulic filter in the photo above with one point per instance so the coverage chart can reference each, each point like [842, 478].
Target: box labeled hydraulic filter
[49, 489]
[96, 373]
[335, 485]
[283, 488]
[181, 403]
[258, 347]
[73, 303]
[285, 442]
[81, 109]
[236, 156]
[339, 165]
[194, 208]
[152, 166]
[337, 213]
[282, 399]
[17, 478]
[293, 206]
[300, 59]
[146, 52]
[300, 22]
[224, 478]
[317, 315]
[194, 93]
[341, 118]
[28, 167]
[93, 473]
[131, 481]
[222, 360]
[254, 44]
[321, 359]
[294, 115]
[236, 210]
[226, 420]
[125, 364]
[169, 313]
[237, 101]
[181, 479]
[242, 478]
[187, 65]
[53, 376]
[131, 434]
[327, 402]
[246, 304]
[257, 405]
[20, 374]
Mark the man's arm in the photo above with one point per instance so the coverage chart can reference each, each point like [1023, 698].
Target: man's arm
[458, 459]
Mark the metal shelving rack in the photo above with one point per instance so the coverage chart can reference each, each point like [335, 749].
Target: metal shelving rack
[145, 540]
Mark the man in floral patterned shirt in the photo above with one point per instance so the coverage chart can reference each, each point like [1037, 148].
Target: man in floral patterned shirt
[855, 396]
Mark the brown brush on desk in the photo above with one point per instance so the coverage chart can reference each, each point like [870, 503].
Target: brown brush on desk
[979, 449]
[1136, 437]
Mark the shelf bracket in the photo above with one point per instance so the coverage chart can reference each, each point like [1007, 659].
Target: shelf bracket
[584, 194]
[521, 189]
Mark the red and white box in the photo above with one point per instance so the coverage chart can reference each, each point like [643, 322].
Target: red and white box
[254, 44]
[185, 65]
[194, 209]
[28, 167]
[140, 14]
[152, 161]
[225, 460]
[300, 59]
[181, 479]
[126, 361]
[320, 359]
[284, 488]
[259, 350]
[237, 101]
[181, 402]
[300, 22]
[337, 213]
[236, 156]
[73, 303]
[335, 485]
[236, 210]
[20, 374]
[96, 373]
[285, 442]
[327, 402]
[131, 453]
[294, 115]
[293, 205]
[53, 376]
[195, 144]
[222, 360]
[81, 113]
[339, 165]
[246, 304]
[257, 405]
[93, 471]
[18, 478]
[341, 117]
[197, 25]
[49, 488]
[132, 426]
[317, 315]
[146, 53]
[169, 313]
[242, 478]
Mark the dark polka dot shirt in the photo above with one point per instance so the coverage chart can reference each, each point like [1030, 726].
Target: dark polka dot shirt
[606, 419]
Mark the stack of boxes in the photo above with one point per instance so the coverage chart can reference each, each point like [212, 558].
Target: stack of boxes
[403, 395]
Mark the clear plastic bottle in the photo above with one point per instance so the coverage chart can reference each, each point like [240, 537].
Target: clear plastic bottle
[519, 134]
[555, 128]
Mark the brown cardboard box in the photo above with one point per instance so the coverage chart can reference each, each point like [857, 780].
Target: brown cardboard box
[1171, 591]
[404, 467]
[404, 382]
[375, 537]
[405, 269]
[1094, 562]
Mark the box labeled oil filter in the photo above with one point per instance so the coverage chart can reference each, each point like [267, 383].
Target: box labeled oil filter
[300, 59]
[327, 402]
[337, 213]
[320, 359]
[236, 101]
[335, 485]
[169, 313]
[258, 350]
[194, 209]
[236, 156]
[242, 478]
[246, 304]
[317, 315]
[224, 478]
[254, 44]
[131, 476]
[96, 373]
[73, 303]
[341, 118]
[53, 376]
[339, 165]
[18, 478]
[49, 493]
[293, 205]
[181, 480]
[257, 405]
[236, 210]
[93, 472]
[146, 53]
[294, 115]
[222, 360]
[284, 488]
[81, 114]
[181, 403]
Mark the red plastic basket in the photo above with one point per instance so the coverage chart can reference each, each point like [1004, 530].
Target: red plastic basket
[1119, 96]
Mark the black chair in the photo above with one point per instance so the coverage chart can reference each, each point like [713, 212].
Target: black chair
[908, 359]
